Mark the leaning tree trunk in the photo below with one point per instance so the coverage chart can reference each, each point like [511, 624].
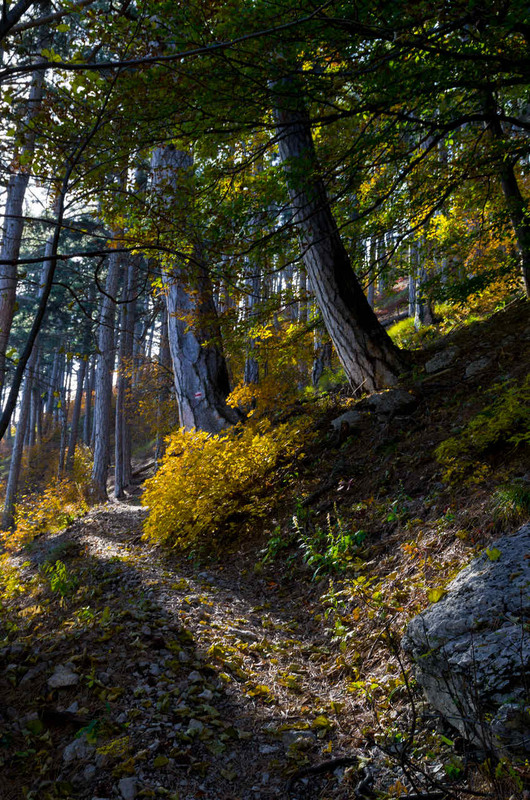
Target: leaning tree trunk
[104, 370]
[516, 204]
[200, 371]
[368, 355]
[25, 405]
[13, 212]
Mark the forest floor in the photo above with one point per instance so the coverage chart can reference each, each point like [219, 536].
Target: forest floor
[273, 669]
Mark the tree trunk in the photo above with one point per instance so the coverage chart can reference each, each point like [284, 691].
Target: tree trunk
[368, 355]
[199, 366]
[13, 216]
[516, 204]
[89, 388]
[251, 371]
[122, 459]
[76, 414]
[164, 368]
[15, 463]
[25, 407]
[104, 370]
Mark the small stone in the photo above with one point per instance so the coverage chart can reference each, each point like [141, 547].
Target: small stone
[207, 694]
[183, 657]
[389, 403]
[350, 418]
[63, 677]
[34, 672]
[441, 360]
[73, 708]
[154, 669]
[245, 636]
[128, 788]
[195, 727]
[475, 367]
[89, 773]
[268, 749]
[78, 749]
[194, 677]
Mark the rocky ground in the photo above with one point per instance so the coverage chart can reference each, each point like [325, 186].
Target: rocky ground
[128, 671]
[140, 677]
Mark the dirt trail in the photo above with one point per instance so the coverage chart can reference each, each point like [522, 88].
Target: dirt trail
[213, 683]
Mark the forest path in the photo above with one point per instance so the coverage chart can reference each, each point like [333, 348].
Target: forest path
[189, 683]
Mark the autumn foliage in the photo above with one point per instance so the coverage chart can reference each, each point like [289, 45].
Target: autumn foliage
[206, 483]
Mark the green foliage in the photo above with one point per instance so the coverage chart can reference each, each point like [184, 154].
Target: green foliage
[504, 421]
[208, 482]
[511, 502]
[405, 335]
[329, 549]
[59, 579]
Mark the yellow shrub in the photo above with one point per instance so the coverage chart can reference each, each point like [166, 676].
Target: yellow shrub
[205, 479]
[53, 508]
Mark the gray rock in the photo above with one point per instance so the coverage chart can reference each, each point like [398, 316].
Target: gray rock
[475, 367]
[351, 418]
[471, 649]
[63, 677]
[89, 773]
[77, 750]
[34, 672]
[441, 360]
[388, 403]
[245, 636]
[128, 788]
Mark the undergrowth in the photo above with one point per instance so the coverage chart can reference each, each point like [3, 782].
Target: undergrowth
[56, 506]
[208, 482]
[504, 421]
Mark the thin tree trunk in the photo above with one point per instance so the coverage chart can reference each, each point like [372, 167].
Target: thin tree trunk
[368, 355]
[251, 371]
[89, 388]
[122, 458]
[104, 370]
[8, 518]
[18, 446]
[13, 213]
[164, 368]
[76, 414]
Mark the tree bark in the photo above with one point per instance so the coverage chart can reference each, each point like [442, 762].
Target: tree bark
[369, 357]
[76, 414]
[517, 206]
[13, 216]
[122, 458]
[199, 366]
[104, 370]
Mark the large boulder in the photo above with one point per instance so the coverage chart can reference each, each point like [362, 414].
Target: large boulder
[471, 649]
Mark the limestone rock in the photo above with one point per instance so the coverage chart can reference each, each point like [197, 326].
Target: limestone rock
[441, 360]
[79, 749]
[388, 403]
[128, 788]
[471, 649]
[63, 677]
[351, 418]
[475, 367]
